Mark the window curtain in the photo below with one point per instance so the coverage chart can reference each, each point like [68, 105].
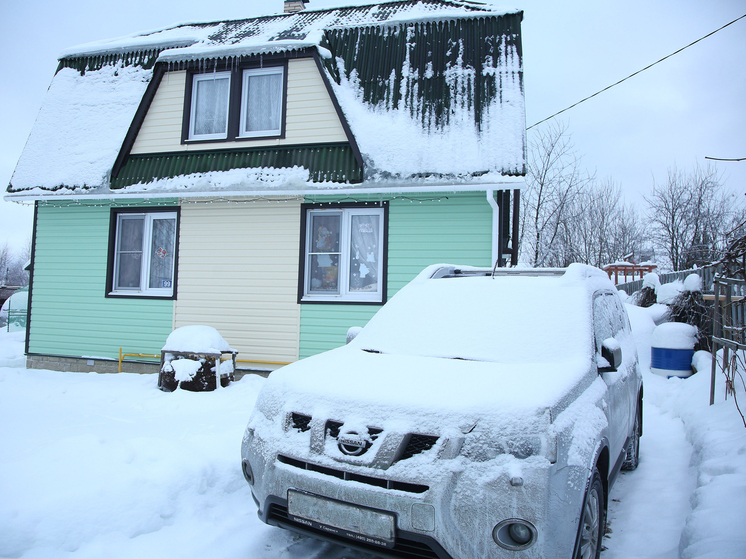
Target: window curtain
[129, 252]
[264, 102]
[364, 265]
[162, 253]
[211, 115]
[324, 252]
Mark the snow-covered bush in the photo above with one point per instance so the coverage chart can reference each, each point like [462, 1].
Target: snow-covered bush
[689, 307]
[648, 295]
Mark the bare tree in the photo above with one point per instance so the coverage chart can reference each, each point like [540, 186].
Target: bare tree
[629, 235]
[690, 215]
[602, 228]
[6, 257]
[553, 182]
[12, 265]
[593, 228]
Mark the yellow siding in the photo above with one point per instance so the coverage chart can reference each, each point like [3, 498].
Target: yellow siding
[238, 272]
[311, 117]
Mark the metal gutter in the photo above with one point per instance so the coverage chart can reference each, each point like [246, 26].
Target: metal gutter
[495, 225]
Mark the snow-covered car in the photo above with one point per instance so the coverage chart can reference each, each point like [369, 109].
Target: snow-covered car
[478, 414]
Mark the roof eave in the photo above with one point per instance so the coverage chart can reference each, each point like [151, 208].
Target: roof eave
[370, 187]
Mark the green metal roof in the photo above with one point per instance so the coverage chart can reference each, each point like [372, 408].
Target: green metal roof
[327, 162]
[424, 53]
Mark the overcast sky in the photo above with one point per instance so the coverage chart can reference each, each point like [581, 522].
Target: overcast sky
[690, 106]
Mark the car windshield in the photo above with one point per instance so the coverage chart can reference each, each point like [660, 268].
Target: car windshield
[514, 319]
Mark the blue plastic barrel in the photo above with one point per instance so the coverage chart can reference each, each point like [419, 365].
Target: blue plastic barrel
[672, 349]
[672, 360]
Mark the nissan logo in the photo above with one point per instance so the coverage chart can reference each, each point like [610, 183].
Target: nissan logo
[352, 444]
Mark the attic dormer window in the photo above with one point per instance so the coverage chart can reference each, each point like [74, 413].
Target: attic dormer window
[210, 104]
[261, 102]
[239, 103]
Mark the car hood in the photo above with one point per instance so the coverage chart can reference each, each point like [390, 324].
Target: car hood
[348, 384]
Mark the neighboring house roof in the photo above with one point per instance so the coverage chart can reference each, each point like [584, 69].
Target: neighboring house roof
[432, 91]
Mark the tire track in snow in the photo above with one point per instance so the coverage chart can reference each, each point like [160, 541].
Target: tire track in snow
[649, 506]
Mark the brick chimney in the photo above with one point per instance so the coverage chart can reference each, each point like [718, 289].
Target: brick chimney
[293, 6]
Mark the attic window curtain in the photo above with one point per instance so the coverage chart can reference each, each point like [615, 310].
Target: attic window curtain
[211, 111]
[263, 101]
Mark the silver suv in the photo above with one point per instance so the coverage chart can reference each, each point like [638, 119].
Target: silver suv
[478, 414]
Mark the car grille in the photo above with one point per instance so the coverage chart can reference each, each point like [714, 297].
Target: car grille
[404, 547]
[415, 443]
[347, 476]
[300, 422]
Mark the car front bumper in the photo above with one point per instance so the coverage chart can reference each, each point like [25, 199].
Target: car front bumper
[451, 513]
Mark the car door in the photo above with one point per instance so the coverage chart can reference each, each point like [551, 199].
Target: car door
[606, 323]
[623, 330]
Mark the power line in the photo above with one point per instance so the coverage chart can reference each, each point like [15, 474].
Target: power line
[638, 72]
[723, 159]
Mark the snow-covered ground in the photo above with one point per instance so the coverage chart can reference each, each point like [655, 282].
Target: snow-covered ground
[108, 466]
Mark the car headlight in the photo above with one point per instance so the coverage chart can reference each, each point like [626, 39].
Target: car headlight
[481, 448]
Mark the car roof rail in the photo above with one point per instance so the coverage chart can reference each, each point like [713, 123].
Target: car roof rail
[460, 272]
[466, 271]
[529, 272]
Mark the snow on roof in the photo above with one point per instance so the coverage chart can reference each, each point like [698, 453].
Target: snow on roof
[402, 140]
[179, 36]
[80, 128]
[209, 39]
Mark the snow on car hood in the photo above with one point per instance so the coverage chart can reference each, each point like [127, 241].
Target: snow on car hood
[402, 392]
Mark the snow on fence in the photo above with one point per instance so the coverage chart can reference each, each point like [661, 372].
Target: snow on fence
[707, 273]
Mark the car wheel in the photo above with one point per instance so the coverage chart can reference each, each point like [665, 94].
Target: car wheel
[592, 520]
[633, 447]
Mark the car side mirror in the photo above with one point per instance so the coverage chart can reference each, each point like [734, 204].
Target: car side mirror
[611, 356]
[352, 333]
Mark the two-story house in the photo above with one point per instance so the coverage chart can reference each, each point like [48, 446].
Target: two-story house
[278, 178]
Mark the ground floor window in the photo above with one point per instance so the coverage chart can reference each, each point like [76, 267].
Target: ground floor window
[143, 253]
[343, 256]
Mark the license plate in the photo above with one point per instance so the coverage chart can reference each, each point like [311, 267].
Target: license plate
[358, 523]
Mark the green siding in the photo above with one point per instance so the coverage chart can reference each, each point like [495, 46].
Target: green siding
[70, 315]
[422, 231]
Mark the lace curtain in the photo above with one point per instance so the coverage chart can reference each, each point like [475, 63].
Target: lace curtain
[263, 102]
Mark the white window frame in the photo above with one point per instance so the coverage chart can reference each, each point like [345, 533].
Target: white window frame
[193, 109]
[143, 289]
[247, 73]
[343, 275]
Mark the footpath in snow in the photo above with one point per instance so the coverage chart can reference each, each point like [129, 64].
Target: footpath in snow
[109, 466]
